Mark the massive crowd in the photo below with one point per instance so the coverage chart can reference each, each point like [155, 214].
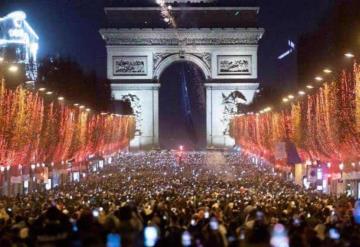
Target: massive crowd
[188, 199]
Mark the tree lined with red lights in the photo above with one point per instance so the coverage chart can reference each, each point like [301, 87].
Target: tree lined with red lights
[324, 125]
[33, 130]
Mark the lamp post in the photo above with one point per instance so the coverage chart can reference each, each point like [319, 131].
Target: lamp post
[8, 182]
[341, 167]
[2, 170]
[307, 164]
[32, 171]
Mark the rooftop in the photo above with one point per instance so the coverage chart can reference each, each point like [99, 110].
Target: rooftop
[190, 15]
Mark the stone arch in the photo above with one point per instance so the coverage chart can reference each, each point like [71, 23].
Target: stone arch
[182, 58]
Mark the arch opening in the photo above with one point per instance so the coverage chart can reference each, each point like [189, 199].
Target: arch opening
[182, 58]
[182, 106]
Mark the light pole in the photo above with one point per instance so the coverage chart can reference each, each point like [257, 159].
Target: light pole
[2, 170]
[341, 167]
[31, 185]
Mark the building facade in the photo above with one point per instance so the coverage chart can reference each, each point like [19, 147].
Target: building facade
[142, 41]
[19, 43]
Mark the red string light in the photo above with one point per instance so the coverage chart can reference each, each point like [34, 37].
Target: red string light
[324, 125]
[33, 131]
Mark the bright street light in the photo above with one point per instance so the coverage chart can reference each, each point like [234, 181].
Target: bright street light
[301, 92]
[349, 55]
[327, 71]
[13, 68]
[341, 166]
[319, 78]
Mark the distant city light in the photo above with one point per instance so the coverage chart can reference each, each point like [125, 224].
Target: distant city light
[61, 98]
[327, 71]
[309, 86]
[76, 104]
[290, 96]
[49, 93]
[42, 89]
[1, 59]
[301, 92]
[285, 100]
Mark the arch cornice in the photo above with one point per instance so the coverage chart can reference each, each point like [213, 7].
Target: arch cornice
[182, 57]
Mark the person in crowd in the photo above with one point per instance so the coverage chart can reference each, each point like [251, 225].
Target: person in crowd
[151, 199]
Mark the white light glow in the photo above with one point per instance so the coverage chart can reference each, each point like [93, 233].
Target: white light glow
[349, 55]
[48, 184]
[13, 68]
[341, 166]
[319, 78]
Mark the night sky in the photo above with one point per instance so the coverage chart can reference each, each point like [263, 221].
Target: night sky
[70, 28]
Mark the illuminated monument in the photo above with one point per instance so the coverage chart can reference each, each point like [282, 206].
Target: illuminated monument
[19, 43]
[143, 39]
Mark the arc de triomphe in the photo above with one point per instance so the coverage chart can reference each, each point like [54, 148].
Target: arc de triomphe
[221, 40]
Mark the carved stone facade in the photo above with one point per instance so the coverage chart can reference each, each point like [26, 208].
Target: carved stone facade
[226, 56]
[182, 37]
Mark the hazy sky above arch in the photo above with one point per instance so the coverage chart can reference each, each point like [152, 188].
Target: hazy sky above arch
[70, 28]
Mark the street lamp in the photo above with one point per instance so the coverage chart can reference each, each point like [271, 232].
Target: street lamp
[341, 166]
[13, 68]
[327, 71]
[349, 55]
